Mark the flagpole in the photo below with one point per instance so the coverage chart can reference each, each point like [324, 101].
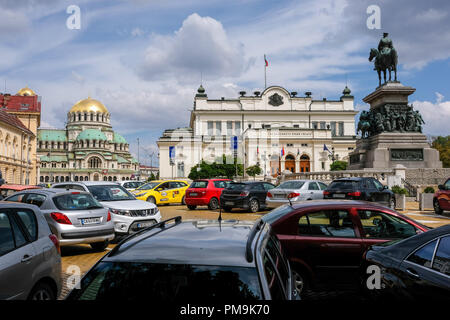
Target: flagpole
[265, 68]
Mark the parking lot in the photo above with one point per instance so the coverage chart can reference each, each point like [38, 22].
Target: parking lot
[84, 258]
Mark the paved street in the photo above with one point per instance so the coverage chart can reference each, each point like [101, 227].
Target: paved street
[83, 256]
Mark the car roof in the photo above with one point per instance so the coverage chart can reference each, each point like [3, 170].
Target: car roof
[14, 204]
[90, 183]
[351, 179]
[337, 203]
[52, 191]
[249, 182]
[204, 242]
[18, 187]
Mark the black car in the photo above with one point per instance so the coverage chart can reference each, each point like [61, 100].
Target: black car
[196, 260]
[250, 195]
[414, 268]
[364, 188]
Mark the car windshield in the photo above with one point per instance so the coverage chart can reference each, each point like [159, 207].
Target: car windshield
[110, 193]
[236, 186]
[76, 201]
[168, 282]
[277, 213]
[291, 185]
[148, 186]
[343, 184]
[199, 184]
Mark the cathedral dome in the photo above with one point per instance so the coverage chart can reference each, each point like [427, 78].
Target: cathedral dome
[91, 134]
[26, 92]
[89, 105]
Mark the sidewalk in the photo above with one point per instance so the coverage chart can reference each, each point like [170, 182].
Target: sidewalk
[426, 217]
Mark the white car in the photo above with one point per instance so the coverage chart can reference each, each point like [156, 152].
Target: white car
[128, 214]
[295, 191]
[130, 184]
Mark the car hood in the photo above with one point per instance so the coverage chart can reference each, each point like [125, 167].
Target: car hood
[128, 205]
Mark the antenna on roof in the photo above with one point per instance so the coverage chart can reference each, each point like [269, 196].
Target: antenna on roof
[220, 217]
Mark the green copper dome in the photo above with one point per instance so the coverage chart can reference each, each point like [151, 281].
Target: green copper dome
[346, 91]
[91, 134]
[118, 138]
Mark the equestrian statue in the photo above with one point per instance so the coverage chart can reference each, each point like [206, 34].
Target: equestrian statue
[386, 58]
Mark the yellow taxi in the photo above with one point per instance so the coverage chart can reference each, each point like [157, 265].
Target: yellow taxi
[162, 192]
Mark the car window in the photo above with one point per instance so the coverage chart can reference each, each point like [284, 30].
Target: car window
[380, 225]
[344, 184]
[76, 201]
[447, 185]
[221, 184]
[441, 261]
[378, 184]
[322, 185]
[327, 223]
[6, 234]
[258, 187]
[273, 281]
[163, 186]
[313, 186]
[236, 186]
[148, 186]
[424, 255]
[291, 185]
[273, 248]
[167, 282]
[268, 186]
[36, 199]
[29, 222]
[19, 236]
[276, 213]
[174, 185]
[110, 193]
[17, 197]
[127, 185]
[199, 184]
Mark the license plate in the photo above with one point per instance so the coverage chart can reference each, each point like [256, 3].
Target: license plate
[229, 203]
[89, 221]
[145, 224]
[194, 194]
[339, 195]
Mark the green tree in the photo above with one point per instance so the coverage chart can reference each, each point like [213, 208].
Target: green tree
[152, 177]
[216, 169]
[253, 171]
[338, 165]
[442, 144]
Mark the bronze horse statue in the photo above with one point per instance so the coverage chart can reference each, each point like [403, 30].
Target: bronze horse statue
[384, 62]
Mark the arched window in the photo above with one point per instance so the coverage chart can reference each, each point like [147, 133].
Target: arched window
[109, 178]
[47, 178]
[86, 178]
[81, 178]
[41, 178]
[92, 117]
[76, 178]
[115, 178]
[95, 162]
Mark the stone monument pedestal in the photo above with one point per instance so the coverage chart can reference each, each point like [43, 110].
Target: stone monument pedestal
[392, 133]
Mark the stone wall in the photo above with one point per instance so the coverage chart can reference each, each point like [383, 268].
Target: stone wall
[427, 176]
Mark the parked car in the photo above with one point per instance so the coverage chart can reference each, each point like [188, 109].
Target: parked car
[325, 239]
[128, 214]
[130, 184]
[416, 268]
[220, 260]
[30, 260]
[205, 192]
[441, 199]
[249, 195]
[8, 189]
[162, 192]
[294, 191]
[73, 216]
[364, 188]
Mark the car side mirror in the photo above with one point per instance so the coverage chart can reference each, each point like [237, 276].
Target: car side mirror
[441, 187]
[385, 187]
[376, 221]
[159, 189]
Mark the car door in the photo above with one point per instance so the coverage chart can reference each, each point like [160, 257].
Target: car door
[17, 258]
[329, 241]
[267, 187]
[314, 191]
[164, 192]
[425, 273]
[177, 191]
[257, 191]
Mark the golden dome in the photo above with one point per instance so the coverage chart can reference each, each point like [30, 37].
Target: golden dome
[89, 105]
[26, 92]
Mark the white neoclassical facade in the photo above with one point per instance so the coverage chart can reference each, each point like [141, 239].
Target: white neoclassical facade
[275, 128]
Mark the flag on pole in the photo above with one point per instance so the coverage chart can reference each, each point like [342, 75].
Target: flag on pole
[257, 149]
[298, 152]
[265, 61]
[282, 151]
[325, 148]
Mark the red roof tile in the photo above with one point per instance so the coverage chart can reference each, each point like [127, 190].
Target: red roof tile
[12, 120]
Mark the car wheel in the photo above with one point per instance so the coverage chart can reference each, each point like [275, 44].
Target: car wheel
[227, 209]
[99, 246]
[183, 202]
[191, 207]
[253, 205]
[300, 281]
[437, 207]
[42, 291]
[392, 203]
[151, 200]
[213, 204]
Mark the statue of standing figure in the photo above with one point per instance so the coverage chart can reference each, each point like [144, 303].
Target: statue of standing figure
[386, 58]
[418, 121]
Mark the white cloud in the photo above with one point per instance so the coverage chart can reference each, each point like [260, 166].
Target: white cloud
[435, 114]
[137, 32]
[12, 22]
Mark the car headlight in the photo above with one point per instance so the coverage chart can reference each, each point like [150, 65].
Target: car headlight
[121, 212]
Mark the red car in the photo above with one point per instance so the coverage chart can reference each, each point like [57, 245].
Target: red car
[205, 192]
[441, 199]
[325, 239]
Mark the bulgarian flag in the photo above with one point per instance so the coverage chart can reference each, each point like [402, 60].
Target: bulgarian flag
[282, 151]
[265, 61]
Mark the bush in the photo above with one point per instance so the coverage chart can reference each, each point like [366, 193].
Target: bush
[338, 165]
[429, 190]
[399, 190]
[206, 170]
[253, 171]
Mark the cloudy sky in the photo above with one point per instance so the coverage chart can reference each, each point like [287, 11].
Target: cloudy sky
[144, 59]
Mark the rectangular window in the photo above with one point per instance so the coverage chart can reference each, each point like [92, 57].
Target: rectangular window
[327, 223]
[333, 128]
[341, 129]
[315, 124]
[210, 128]
[296, 126]
[237, 128]
[229, 128]
[322, 124]
[266, 126]
[379, 225]
[218, 128]
[441, 262]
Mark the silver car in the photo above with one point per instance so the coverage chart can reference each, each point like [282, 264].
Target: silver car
[128, 214]
[73, 216]
[30, 261]
[295, 190]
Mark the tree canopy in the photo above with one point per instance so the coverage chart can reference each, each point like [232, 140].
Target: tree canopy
[338, 165]
[442, 144]
[225, 168]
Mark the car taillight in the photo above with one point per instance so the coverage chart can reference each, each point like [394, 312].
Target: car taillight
[326, 193]
[60, 218]
[354, 194]
[269, 195]
[55, 242]
[109, 216]
[244, 193]
[293, 195]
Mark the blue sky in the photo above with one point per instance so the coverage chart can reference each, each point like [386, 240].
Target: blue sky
[143, 58]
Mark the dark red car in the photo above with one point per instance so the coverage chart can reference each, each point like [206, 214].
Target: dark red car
[205, 192]
[441, 199]
[325, 239]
